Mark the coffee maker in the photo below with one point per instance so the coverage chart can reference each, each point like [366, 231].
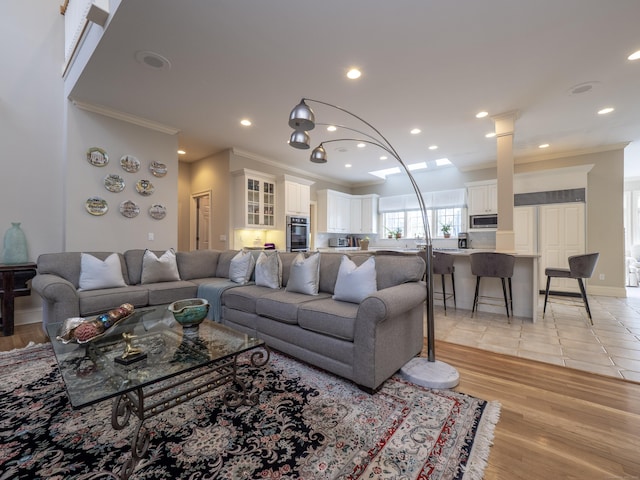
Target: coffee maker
[463, 240]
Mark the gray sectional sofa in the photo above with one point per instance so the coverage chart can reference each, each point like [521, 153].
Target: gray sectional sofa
[364, 342]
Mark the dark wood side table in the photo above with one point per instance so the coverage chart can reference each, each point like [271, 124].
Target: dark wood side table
[13, 283]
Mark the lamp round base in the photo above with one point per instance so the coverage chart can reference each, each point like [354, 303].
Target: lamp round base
[437, 375]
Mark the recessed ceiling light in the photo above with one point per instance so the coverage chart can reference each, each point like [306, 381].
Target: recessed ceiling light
[441, 162]
[383, 157]
[490, 134]
[245, 122]
[354, 73]
[361, 145]
[181, 152]
[544, 145]
[347, 165]
[433, 147]
[481, 114]
[152, 60]
[606, 110]
[415, 131]
[331, 128]
[634, 55]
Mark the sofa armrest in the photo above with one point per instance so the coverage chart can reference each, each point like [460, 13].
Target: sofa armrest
[392, 301]
[53, 288]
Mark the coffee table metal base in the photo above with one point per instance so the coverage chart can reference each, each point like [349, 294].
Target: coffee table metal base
[145, 403]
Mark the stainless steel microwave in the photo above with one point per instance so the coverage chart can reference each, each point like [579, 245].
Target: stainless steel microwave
[483, 221]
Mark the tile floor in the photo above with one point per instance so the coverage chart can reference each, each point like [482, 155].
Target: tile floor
[564, 337]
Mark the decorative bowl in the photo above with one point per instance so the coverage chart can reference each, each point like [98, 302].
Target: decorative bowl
[190, 312]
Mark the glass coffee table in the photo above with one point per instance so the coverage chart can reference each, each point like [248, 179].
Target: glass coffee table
[176, 365]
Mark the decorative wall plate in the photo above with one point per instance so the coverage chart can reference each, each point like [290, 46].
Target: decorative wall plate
[96, 206]
[158, 169]
[145, 187]
[130, 163]
[157, 211]
[97, 157]
[114, 183]
[129, 209]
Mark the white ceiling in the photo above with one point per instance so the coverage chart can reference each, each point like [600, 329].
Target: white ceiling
[425, 63]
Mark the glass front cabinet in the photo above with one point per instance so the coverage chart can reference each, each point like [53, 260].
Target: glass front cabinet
[256, 200]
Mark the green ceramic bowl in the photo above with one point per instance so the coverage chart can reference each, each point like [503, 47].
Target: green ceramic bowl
[190, 312]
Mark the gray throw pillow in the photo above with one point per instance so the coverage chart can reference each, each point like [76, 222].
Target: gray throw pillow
[304, 275]
[96, 274]
[269, 270]
[355, 283]
[241, 267]
[163, 269]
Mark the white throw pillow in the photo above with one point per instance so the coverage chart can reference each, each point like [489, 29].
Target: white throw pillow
[96, 274]
[241, 267]
[163, 269]
[354, 284]
[304, 276]
[269, 270]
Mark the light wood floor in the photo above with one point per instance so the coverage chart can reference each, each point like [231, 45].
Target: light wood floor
[555, 423]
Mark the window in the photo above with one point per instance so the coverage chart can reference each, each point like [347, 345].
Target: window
[410, 222]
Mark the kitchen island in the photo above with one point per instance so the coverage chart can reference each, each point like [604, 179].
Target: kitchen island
[524, 281]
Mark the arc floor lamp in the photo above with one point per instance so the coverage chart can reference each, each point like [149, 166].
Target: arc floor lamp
[425, 371]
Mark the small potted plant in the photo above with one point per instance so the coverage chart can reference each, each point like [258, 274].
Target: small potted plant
[445, 228]
[398, 233]
[364, 243]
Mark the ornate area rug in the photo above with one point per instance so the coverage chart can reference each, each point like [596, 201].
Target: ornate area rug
[308, 425]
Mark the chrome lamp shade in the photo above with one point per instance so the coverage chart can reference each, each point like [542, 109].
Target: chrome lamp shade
[299, 139]
[302, 117]
[319, 155]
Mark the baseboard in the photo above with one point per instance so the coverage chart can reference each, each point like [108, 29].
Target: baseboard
[607, 291]
[27, 316]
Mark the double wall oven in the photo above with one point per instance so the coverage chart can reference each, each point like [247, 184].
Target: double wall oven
[297, 234]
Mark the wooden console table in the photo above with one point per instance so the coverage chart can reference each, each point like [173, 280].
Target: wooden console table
[13, 283]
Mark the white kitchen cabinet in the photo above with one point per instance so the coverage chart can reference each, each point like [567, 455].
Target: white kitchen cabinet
[369, 222]
[297, 196]
[482, 197]
[525, 229]
[334, 211]
[255, 195]
[356, 215]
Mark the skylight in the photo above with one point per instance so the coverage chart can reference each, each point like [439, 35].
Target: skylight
[391, 171]
[441, 162]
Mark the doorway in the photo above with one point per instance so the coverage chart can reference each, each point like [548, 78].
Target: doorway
[200, 237]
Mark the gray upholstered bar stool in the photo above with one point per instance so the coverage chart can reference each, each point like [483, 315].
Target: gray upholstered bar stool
[580, 266]
[496, 265]
[443, 265]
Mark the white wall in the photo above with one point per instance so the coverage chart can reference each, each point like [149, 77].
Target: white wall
[31, 129]
[113, 231]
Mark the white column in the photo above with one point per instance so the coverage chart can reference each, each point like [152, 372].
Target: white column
[504, 128]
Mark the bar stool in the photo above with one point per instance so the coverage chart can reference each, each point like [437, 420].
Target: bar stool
[496, 265]
[580, 266]
[443, 265]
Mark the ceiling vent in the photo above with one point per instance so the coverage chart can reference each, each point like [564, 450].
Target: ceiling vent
[582, 88]
[152, 60]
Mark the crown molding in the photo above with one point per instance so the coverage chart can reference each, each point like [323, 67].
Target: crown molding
[126, 117]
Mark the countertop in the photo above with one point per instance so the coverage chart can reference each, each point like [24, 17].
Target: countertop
[463, 252]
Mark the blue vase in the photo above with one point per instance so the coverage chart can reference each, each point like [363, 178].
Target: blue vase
[15, 245]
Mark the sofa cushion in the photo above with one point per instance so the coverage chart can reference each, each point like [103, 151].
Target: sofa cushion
[355, 283]
[133, 260]
[159, 269]
[244, 298]
[224, 263]
[241, 268]
[304, 275]
[93, 302]
[329, 317]
[96, 273]
[392, 270]
[168, 292]
[283, 306]
[330, 266]
[269, 270]
[197, 264]
[287, 259]
[67, 265]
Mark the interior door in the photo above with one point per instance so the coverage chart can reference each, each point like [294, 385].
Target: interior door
[202, 231]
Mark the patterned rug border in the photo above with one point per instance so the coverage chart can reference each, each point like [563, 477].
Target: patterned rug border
[481, 443]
